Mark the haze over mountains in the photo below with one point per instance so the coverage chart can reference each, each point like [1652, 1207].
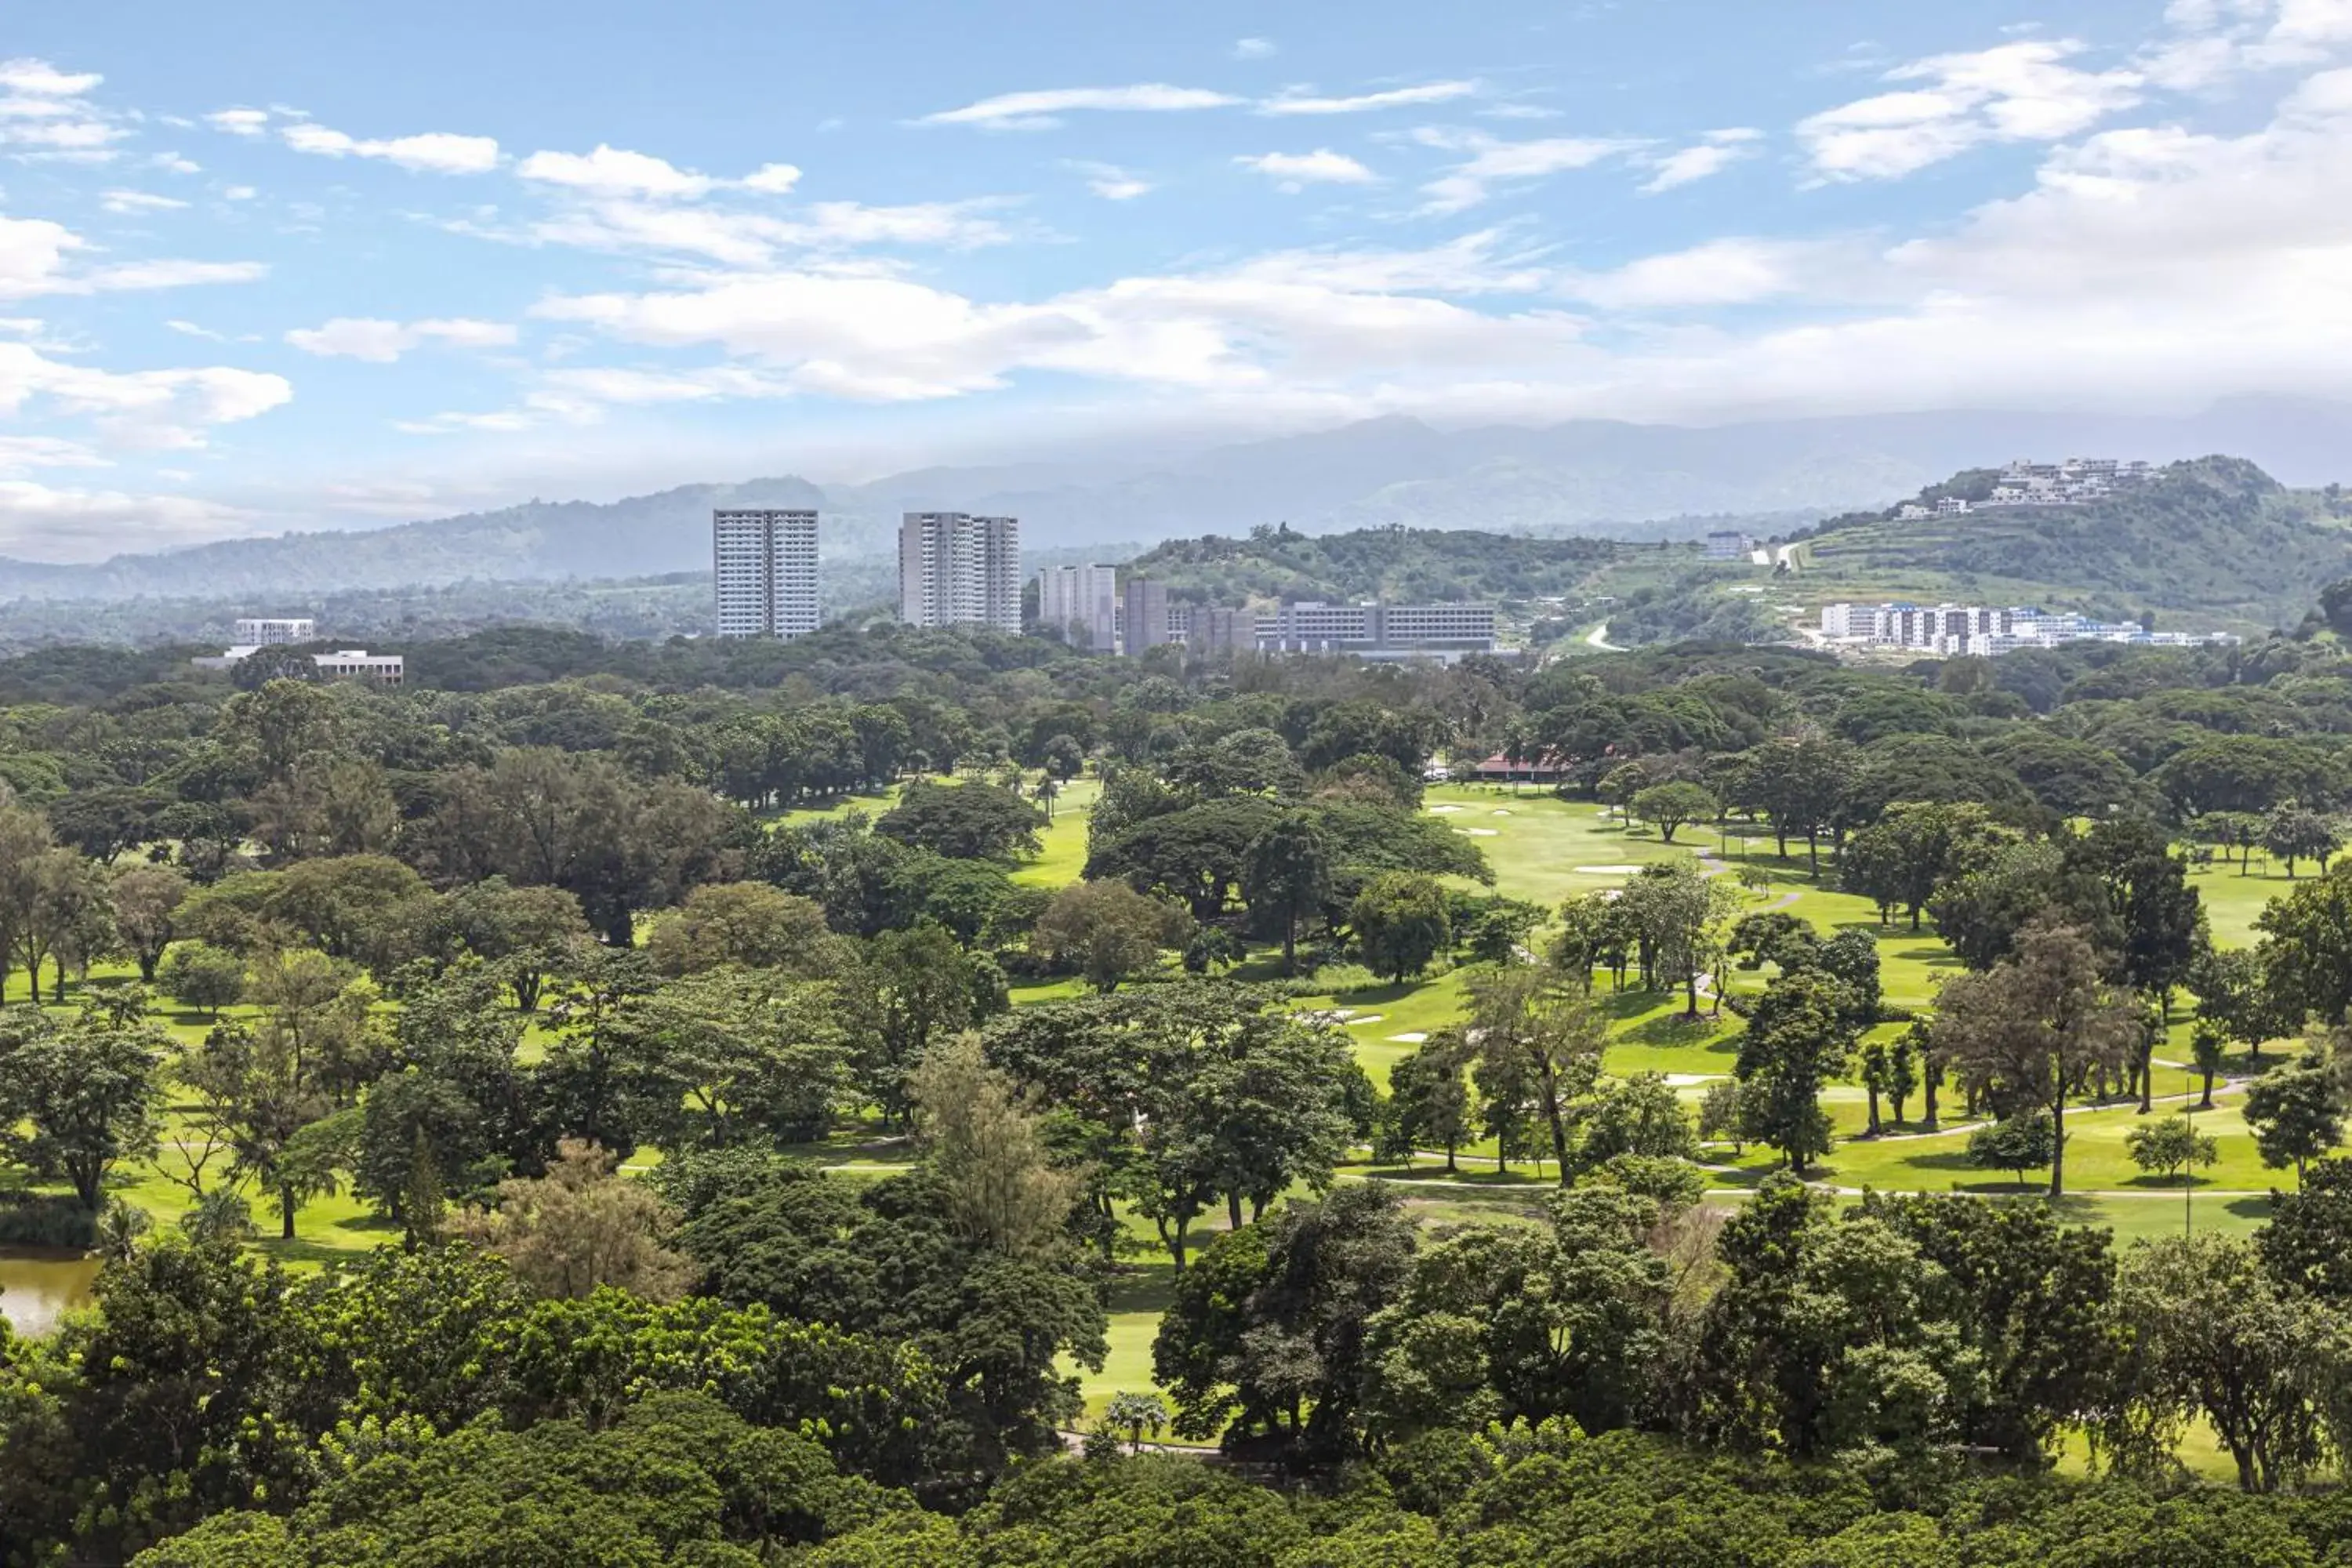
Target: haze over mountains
[1591, 477]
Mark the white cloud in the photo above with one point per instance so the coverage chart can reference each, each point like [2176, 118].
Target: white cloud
[138, 202]
[23, 454]
[173, 163]
[1717, 273]
[2022, 91]
[153, 409]
[1110, 181]
[610, 171]
[171, 274]
[1308, 317]
[192, 330]
[1296, 171]
[1304, 102]
[1494, 163]
[382, 341]
[1040, 111]
[41, 523]
[36, 258]
[239, 121]
[432, 152]
[1710, 156]
[616, 173]
[47, 109]
[30, 77]
[772, 179]
[238, 193]
[1255, 49]
[748, 239]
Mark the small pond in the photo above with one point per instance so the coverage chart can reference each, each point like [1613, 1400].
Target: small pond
[37, 1284]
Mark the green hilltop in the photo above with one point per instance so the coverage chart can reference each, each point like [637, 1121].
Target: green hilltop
[2216, 537]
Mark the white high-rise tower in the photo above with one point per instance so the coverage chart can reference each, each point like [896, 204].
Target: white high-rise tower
[764, 562]
[957, 570]
[1082, 604]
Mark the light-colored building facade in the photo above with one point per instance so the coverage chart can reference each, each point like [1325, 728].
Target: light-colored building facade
[1985, 630]
[1143, 616]
[1727, 545]
[358, 664]
[344, 664]
[763, 569]
[958, 570]
[1378, 631]
[1082, 604]
[271, 631]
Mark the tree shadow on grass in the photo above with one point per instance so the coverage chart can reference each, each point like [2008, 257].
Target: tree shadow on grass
[359, 1236]
[1675, 1029]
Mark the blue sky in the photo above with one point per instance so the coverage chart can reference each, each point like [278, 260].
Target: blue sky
[269, 265]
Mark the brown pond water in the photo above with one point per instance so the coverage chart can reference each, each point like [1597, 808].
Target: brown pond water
[36, 1284]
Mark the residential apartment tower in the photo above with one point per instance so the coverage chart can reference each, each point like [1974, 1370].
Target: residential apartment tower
[957, 570]
[764, 563]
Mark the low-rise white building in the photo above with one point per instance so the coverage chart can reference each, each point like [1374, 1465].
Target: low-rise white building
[344, 664]
[271, 631]
[1986, 629]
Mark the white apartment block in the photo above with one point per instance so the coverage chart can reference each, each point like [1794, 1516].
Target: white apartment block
[763, 569]
[1083, 603]
[1981, 630]
[957, 570]
[272, 631]
[1380, 631]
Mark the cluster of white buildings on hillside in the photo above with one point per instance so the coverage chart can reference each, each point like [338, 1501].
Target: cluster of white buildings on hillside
[2076, 481]
[1980, 629]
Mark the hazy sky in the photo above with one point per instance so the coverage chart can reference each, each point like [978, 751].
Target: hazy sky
[268, 265]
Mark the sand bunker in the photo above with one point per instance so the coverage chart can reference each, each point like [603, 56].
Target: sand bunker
[1409, 1037]
[1608, 870]
[1479, 832]
[1442, 810]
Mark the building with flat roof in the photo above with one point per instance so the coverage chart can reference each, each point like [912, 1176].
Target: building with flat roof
[1378, 631]
[358, 664]
[1082, 604]
[344, 664]
[270, 631]
[763, 571]
[958, 570]
[1143, 617]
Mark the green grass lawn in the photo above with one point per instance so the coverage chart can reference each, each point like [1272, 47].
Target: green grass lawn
[1064, 838]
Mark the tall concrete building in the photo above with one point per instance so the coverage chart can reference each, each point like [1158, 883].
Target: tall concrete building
[1144, 626]
[765, 566]
[1082, 602]
[957, 570]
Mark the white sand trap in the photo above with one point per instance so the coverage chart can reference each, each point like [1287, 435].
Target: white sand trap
[1685, 1080]
[1479, 832]
[1500, 812]
[1608, 870]
[1367, 1018]
[1442, 810]
[1409, 1037]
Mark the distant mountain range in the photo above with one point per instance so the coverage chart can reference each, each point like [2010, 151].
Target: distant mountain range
[1585, 477]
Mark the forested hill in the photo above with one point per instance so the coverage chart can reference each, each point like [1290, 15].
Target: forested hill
[1414, 565]
[2216, 535]
[641, 536]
